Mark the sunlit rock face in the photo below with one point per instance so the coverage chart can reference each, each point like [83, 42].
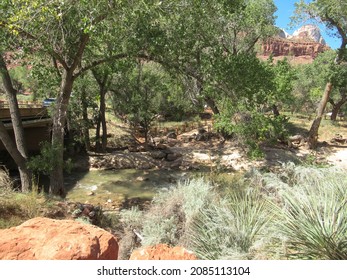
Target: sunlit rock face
[309, 32]
[49, 239]
[304, 45]
[162, 252]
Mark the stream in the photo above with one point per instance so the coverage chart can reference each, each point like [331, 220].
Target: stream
[111, 187]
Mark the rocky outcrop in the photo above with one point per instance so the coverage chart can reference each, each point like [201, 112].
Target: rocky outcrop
[305, 42]
[48, 239]
[283, 47]
[162, 252]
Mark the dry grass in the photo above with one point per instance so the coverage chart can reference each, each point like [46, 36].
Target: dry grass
[5, 181]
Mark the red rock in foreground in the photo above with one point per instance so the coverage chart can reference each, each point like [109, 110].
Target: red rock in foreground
[48, 239]
[162, 252]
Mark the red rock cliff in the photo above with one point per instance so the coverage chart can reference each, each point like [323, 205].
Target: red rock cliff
[290, 47]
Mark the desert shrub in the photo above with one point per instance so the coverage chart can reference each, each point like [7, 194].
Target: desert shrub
[230, 226]
[169, 216]
[311, 209]
[251, 128]
[173, 211]
[315, 215]
[131, 219]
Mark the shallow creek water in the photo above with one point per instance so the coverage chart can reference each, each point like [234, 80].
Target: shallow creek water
[110, 186]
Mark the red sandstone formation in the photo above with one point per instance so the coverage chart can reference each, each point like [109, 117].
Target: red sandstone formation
[48, 239]
[289, 47]
[162, 252]
[302, 47]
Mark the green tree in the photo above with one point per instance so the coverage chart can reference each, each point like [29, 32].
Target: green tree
[312, 80]
[17, 150]
[140, 93]
[334, 15]
[67, 32]
[208, 32]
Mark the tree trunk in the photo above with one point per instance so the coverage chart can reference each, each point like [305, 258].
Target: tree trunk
[85, 120]
[25, 174]
[103, 119]
[275, 110]
[97, 133]
[59, 119]
[18, 130]
[210, 103]
[313, 133]
[337, 106]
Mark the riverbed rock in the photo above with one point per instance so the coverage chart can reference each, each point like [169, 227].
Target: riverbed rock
[49, 239]
[172, 135]
[162, 252]
[158, 154]
[173, 156]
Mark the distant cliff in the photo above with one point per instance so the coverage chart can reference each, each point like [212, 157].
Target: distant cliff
[303, 46]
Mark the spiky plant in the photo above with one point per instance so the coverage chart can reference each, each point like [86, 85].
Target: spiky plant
[315, 214]
[229, 227]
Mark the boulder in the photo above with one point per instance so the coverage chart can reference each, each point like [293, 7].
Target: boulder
[49, 239]
[162, 252]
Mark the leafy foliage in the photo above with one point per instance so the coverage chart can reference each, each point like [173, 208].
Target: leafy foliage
[47, 160]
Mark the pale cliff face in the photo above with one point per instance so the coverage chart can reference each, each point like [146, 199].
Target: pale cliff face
[309, 32]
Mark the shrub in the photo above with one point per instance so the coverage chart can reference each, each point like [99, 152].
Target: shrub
[229, 227]
[315, 215]
[311, 209]
[169, 215]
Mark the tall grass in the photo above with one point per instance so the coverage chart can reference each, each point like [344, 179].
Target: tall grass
[5, 181]
[17, 207]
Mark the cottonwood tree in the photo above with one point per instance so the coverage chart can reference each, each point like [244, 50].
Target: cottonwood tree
[207, 31]
[332, 13]
[68, 32]
[312, 80]
[17, 150]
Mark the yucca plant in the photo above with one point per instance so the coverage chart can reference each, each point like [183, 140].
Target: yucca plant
[230, 226]
[315, 215]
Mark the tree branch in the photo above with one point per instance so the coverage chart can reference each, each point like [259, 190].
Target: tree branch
[98, 62]
[78, 57]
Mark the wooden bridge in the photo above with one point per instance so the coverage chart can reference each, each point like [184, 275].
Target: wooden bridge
[35, 120]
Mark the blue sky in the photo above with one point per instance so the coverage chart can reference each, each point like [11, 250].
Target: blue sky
[285, 9]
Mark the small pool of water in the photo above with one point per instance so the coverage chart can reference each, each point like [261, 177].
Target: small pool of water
[108, 186]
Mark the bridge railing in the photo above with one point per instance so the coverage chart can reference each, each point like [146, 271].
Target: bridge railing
[22, 104]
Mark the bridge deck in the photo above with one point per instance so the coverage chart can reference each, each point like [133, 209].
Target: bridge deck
[27, 110]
